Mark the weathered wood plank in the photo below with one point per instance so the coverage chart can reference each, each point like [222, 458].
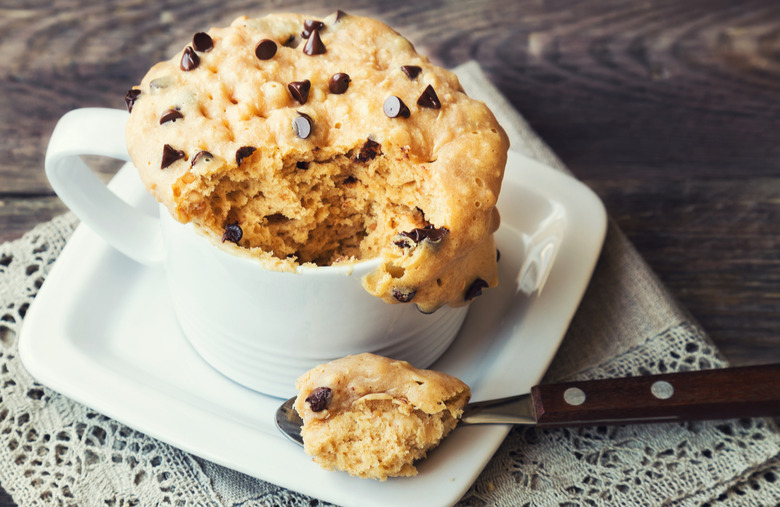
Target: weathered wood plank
[716, 246]
[20, 214]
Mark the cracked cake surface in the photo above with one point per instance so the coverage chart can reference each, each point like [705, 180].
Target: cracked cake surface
[296, 140]
[374, 417]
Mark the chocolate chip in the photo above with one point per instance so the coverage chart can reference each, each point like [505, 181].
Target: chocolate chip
[170, 115]
[130, 97]
[302, 165]
[311, 25]
[395, 107]
[349, 180]
[302, 125]
[170, 155]
[403, 295]
[319, 398]
[189, 60]
[300, 90]
[265, 49]
[340, 15]
[202, 42]
[314, 45]
[475, 289]
[201, 155]
[369, 151]
[429, 98]
[338, 83]
[430, 233]
[243, 152]
[411, 71]
[233, 233]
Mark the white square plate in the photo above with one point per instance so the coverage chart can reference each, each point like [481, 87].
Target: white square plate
[102, 332]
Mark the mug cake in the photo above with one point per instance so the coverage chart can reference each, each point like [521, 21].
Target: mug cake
[301, 141]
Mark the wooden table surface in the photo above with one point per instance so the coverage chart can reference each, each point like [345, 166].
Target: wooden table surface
[669, 110]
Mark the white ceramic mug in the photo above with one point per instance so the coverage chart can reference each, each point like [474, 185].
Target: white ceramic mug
[259, 327]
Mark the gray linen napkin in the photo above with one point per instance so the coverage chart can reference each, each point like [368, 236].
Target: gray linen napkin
[53, 450]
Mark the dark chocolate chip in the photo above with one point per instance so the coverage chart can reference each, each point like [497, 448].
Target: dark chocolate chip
[338, 83]
[233, 233]
[202, 42]
[395, 107]
[244, 152]
[411, 71]
[319, 398]
[311, 25]
[429, 98]
[340, 15]
[170, 155]
[475, 289]
[314, 45]
[369, 151]
[300, 90]
[170, 115]
[265, 49]
[403, 295]
[302, 165]
[302, 125]
[201, 155]
[402, 243]
[189, 60]
[349, 180]
[430, 233]
[130, 97]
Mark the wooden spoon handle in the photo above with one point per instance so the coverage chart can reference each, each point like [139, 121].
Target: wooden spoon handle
[749, 391]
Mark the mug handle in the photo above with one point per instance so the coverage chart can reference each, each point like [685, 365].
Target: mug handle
[99, 131]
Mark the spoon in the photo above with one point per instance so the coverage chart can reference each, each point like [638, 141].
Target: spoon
[748, 391]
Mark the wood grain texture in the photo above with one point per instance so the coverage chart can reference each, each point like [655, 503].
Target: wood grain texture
[668, 109]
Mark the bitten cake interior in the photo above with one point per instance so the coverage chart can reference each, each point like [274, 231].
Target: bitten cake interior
[347, 206]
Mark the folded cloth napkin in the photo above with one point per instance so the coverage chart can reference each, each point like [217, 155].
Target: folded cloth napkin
[54, 450]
